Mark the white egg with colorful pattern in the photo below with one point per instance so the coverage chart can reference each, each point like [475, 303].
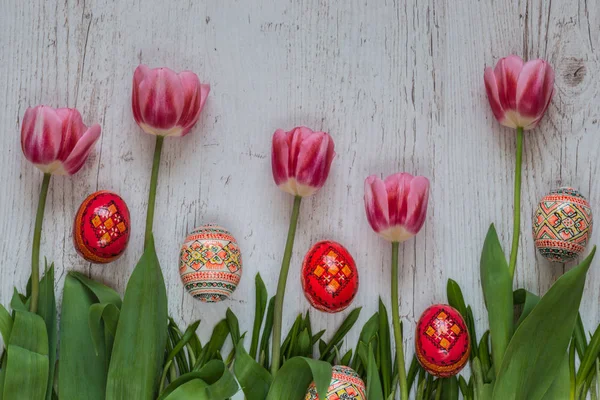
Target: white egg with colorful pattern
[345, 385]
[210, 263]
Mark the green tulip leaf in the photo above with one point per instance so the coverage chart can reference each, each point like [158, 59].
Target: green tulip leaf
[211, 382]
[498, 294]
[83, 365]
[254, 379]
[537, 349]
[27, 362]
[374, 390]
[138, 350]
[47, 310]
[259, 313]
[294, 377]
[6, 324]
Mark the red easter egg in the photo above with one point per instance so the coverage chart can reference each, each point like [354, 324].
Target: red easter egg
[101, 228]
[329, 277]
[442, 341]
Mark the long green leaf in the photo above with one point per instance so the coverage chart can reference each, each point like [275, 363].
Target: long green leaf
[450, 388]
[455, 297]
[535, 353]
[47, 310]
[103, 319]
[259, 313]
[294, 377]
[138, 350]
[27, 362]
[217, 383]
[339, 335]
[374, 390]
[497, 291]
[368, 333]
[83, 370]
[266, 334]
[385, 350]
[254, 379]
[561, 387]
[6, 324]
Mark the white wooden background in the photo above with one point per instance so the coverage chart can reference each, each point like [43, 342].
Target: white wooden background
[399, 86]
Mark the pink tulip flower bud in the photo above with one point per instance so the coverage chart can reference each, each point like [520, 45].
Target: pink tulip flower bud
[396, 207]
[301, 160]
[56, 140]
[166, 103]
[519, 93]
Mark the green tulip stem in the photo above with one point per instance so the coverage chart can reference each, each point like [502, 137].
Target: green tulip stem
[396, 322]
[516, 205]
[283, 274]
[35, 248]
[153, 184]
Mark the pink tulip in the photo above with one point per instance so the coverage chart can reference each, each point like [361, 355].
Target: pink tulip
[56, 140]
[166, 103]
[396, 207]
[301, 160]
[519, 92]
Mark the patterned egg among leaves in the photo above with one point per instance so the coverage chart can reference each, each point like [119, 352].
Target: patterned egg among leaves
[210, 263]
[101, 228]
[346, 384]
[329, 277]
[562, 225]
[442, 343]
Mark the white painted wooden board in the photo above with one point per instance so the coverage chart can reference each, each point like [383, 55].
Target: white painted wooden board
[399, 86]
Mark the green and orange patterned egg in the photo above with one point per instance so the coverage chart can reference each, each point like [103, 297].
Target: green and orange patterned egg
[345, 385]
[210, 263]
[562, 225]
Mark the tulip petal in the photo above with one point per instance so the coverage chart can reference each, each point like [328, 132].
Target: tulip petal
[192, 97]
[41, 134]
[397, 187]
[280, 157]
[314, 159]
[72, 130]
[418, 197]
[376, 204]
[491, 87]
[535, 89]
[82, 149]
[160, 97]
[204, 90]
[507, 76]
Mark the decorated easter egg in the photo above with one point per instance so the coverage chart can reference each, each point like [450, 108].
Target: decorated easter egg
[442, 341]
[562, 225]
[345, 385]
[210, 263]
[101, 227]
[329, 277]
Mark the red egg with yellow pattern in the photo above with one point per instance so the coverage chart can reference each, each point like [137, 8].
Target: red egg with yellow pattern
[329, 277]
[101, 228]
[442, 341]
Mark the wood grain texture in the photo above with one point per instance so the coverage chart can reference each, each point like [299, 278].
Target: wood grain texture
[398, 84]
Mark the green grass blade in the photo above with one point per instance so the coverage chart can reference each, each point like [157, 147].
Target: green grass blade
[47, 310]
[455, 297]
[533, 360]
[138, 350]
[339, 335]
[259, 313]
[385, 350]
[374, 390]
[264, 341]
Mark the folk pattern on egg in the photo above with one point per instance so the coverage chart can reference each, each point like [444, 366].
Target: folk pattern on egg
[101, 227]
[442, 342]
[562, 225]
[329, 277]
[345, 385]
[210, 263]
